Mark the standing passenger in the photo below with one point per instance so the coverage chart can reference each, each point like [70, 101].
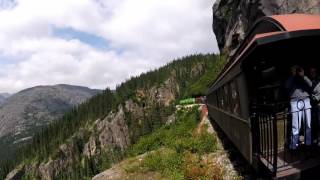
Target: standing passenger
[298, 86]
[314, 76]
[316, 99]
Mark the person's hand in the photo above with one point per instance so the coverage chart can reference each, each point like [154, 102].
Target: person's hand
[313, 97]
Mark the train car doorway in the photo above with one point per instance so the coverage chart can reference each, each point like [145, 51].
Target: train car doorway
[285, 135]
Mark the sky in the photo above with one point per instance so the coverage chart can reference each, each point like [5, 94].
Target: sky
[97, 43]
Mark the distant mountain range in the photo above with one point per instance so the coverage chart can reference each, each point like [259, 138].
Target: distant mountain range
[26, 112]
[3, 97]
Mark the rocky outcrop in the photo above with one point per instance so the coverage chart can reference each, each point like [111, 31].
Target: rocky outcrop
[197, 70]
[91, 148]
[113, 130]
[16, 174]
[135, 109]
[50, 170]
[233, 18]
[165, 93]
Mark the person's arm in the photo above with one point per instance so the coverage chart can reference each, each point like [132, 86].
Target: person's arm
[308, 81]
[316, 92]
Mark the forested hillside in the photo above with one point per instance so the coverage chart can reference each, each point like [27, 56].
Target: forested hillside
[98, 133]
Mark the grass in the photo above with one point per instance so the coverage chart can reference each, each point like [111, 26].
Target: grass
[167, 161]
[179, 136]
[176, 150]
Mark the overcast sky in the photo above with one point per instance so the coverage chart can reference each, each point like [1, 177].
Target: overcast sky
[97, 43]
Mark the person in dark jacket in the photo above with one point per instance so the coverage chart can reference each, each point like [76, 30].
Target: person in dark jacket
[299, 89]
[316, 99]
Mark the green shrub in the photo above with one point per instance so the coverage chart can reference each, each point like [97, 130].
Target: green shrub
[166, 161]
[167, 135]
[205, 143]
[171, 144]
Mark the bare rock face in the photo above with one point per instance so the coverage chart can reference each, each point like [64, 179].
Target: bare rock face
[233, 18]
[165, 93]
[51, 169]
[113, 130]
[134, 109]
[171, 119]
[48, 171]
[16, 174]
[90, 149]
[197, 70]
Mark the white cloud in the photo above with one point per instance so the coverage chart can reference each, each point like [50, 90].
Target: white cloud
[148, 33]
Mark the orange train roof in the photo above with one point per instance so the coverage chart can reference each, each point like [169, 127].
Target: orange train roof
[295, 22]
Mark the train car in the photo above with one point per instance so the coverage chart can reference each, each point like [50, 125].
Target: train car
[249, 100]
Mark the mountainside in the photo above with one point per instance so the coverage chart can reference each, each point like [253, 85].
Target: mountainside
[26, 112]
[3, 97]
[233, 18]
[187, 148]
[100, 132]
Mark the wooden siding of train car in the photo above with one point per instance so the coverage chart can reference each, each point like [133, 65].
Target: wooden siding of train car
[236, 128]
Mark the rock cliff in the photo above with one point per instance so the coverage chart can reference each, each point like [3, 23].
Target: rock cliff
[233, 18]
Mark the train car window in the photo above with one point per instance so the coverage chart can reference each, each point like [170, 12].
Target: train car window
[210, 99]
[213, 99]
[216, 97]
[226, 93]
[235, 98]
[221, 99]
[269, 74]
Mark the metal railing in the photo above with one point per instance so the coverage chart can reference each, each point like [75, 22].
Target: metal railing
[272, 131]
[265, 137]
